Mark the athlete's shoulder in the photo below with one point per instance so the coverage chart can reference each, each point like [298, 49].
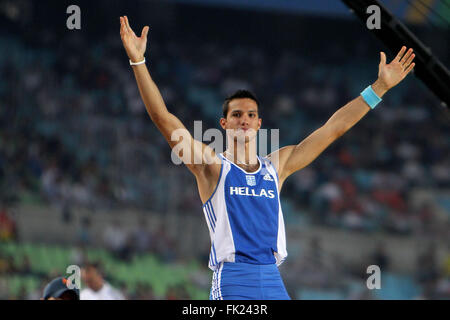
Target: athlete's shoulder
[266, 160]
[277, 158]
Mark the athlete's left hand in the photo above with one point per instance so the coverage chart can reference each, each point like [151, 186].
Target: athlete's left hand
[389, 75]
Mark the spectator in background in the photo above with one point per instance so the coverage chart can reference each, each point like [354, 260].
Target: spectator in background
[305, 181]
[78, 255]
[58, 289]
[114, 237]
[437, 283]
[143, 292]
[446, 267]
[5, 263]
[141, 237]
[427, 268]
[312, 269]
[128, 249]
[8, 229]
[323, 198]
[427, 272]
[443, 288]
[66, 213]
[96, 286]
[50, 179]
[25, 268]
[424, 218]
[84, 233]
[164, 244]
[380, 257]
[177, 292]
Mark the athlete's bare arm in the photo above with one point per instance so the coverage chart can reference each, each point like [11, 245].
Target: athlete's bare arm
[202, 161]
[292, 158]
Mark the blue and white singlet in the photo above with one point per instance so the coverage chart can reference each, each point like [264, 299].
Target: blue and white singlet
[244, 216]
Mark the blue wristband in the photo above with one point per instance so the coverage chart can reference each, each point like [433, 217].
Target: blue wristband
[370, 97]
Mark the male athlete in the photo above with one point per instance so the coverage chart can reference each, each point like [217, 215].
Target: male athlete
[240, 190]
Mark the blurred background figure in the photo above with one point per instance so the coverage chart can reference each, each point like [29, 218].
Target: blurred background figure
[380, 257]
[96, 287]
[58, 289]
[8, 228]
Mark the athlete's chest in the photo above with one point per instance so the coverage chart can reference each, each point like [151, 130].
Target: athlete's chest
[239, 184]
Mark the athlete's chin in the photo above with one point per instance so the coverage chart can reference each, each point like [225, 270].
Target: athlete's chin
[244, 138]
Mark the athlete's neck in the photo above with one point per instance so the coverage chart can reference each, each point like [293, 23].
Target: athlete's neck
[242, 154]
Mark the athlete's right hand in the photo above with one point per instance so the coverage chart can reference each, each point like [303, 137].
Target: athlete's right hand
[134, 46]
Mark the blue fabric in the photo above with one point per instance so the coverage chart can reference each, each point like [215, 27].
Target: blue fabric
[370, 97]
[245, 281]
[253, 219]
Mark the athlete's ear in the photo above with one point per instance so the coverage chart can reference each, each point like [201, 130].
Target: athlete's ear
[223, 123]
[259, 123]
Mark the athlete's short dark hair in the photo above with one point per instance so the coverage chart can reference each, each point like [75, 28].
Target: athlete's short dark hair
[238, 95]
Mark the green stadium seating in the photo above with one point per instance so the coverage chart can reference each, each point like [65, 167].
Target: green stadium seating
[142, 270]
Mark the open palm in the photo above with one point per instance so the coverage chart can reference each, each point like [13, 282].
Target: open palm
[134, 46]
[391, 74]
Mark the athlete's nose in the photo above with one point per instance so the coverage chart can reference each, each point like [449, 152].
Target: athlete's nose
[245, 121]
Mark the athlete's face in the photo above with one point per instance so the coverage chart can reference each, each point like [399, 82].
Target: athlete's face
[242, 121]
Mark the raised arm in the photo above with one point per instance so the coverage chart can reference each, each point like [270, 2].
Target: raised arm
[293, 158]
[170, 126]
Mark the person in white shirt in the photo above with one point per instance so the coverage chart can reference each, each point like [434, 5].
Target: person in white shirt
[96, 288]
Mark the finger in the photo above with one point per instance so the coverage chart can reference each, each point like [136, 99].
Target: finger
[400, 54]
[128, 24]
[410, 59]
[122, 25]
[124, 28]
[382, 58]
[411, 66]
[144, 32]
[406, 56]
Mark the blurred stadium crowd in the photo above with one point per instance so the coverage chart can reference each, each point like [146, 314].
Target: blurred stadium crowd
[74, 133]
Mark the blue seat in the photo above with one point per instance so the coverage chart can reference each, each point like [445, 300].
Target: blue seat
[397, 287]
[316, 294]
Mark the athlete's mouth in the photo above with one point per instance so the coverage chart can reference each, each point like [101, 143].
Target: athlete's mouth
[243, 131]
